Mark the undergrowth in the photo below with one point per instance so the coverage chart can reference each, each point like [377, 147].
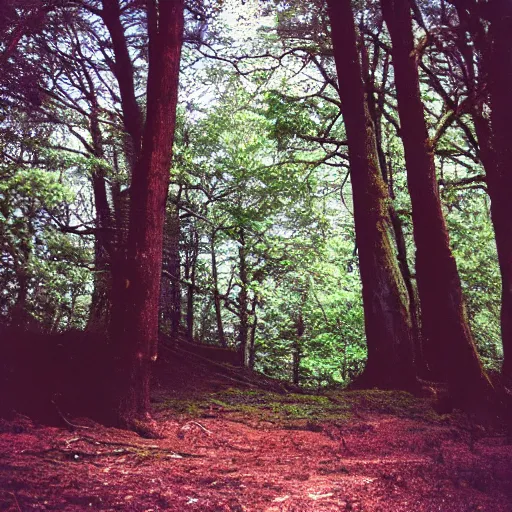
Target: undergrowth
[278, 408]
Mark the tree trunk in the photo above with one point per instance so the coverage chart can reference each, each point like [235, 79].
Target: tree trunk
[243, 300]
[204, 325]
[190, 310]
[191, 254]
[386, 303]
[191, 276]
[123, 71]
[449, 345]
[500, 178]
[71, 312]
[414, 305]
[99, 312]
[136, 323]
[252, 340]
[297, 349]
[216, 296]
[493, 51]
[296, 355]
[403, 263]
[19, 314]
[56, 320]
[170, 306]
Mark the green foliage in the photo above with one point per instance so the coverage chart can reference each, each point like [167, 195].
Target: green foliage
[328, 294]
[289, 118]
[260, 168]
[35, 252]
[287, 409]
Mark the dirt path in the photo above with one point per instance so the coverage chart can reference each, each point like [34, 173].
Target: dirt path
[255, 451]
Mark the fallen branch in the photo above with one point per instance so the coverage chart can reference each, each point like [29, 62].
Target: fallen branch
[197, 424]
[65, 420]
[154, 447]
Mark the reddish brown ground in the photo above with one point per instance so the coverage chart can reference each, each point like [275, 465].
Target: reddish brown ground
[243, 449]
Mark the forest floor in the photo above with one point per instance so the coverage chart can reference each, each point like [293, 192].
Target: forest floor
[228, 445]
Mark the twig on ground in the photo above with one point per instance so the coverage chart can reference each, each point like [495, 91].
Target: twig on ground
[97, 442]
[65, 420]
[197, 424]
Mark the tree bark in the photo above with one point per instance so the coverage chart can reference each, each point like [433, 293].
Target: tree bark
[499, 179]
[494, 51]
[252, 340]
[297, 355]
[99, 312]
[403, 263]
[124, 73]
[216, 295]
[136, 328]
[19, 315]
[386, 303]
[243, 300]
[449, 345]
[170, 289]
[191, 266]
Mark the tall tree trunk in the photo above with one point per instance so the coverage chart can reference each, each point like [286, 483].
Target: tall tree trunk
[136, 328]
[170, 303]
[204, 325]
[495, 51]
[190, 310]
[123, 70]
[386, 303]
[500, 190]
[124, 73]
[500, 179]
[99, 312]
[252, 338]
[446, 334]
[71, 312]
[54, 324]
[216, 295]
[376, 116]
[414, 304]
[297, 349]
[191, 276]
[19, 314]
[243, 299]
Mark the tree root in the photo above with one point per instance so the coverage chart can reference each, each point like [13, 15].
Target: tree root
[145, 428]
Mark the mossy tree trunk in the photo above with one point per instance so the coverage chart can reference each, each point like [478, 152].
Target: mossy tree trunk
[449, 345]
[375, 98]
[386, 303]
